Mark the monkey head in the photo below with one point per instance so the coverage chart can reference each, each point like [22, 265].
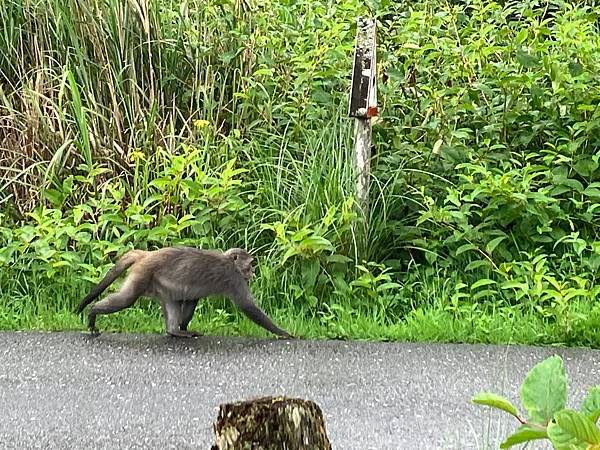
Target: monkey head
[243, 262]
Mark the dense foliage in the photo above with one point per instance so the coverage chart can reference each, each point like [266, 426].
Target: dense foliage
[223, 122]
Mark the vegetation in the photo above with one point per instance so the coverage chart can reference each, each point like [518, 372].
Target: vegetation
[544, 396]
[217, 123]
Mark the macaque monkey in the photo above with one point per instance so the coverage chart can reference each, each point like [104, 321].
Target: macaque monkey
[178, 277]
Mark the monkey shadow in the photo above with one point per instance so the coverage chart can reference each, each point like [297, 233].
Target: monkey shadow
[164, 344]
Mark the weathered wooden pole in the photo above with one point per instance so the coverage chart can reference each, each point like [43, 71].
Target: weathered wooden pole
[363, 104]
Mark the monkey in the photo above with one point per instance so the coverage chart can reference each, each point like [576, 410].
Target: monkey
[178, 277]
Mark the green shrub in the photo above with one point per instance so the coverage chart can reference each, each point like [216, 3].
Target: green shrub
[544, 396]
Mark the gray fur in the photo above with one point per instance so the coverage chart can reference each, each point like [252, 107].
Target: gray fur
[178, 277]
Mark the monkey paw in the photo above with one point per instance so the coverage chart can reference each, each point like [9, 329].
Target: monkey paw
[183, 334]
[94, 332]
[287, 337]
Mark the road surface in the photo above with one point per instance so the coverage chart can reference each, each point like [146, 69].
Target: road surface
[69, 391]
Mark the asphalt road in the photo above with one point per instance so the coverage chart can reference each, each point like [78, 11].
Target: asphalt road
[68, 391]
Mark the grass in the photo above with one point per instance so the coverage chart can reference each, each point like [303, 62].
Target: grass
[435, 323]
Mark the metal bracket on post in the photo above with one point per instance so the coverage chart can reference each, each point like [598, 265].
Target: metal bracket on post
[363, 103]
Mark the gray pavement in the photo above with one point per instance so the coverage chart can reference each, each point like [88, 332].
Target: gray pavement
[68, 391]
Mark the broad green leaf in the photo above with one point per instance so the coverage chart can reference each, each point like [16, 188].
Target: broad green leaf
[491, 246]
[474, 265]
[387, 286]
[591, 403]
[514, 285]
[521, 36]
[310, 272]
[544, 390]
[336, 258]
[289, 253]
[297, 236]
[586, 167]
[578, 426]
[465, 248]
[592, 192]
[575, 68]
[524, 433]
[526, 59]
[573, 184]
[495, 401]
[316, 244]
[482, 282]
[484, 293]
[263, 71]
[462, 133]
[562, 440]
[78, 213]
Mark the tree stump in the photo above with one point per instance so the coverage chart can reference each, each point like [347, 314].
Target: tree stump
[271, 423]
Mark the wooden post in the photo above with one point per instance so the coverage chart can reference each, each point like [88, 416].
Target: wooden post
[271, 423]
[363, 104]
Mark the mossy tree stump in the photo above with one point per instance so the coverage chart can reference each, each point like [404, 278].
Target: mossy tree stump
[271, 423]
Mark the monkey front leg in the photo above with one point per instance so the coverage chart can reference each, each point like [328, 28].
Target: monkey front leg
[245, 302]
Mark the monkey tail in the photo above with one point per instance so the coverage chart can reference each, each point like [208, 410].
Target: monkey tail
[121, 266]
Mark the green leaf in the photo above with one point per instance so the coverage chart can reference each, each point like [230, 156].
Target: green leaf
[482, 282]
[316, 244]
[526, 59]
[575, 68]
[462, 133]
[263, 71]
[591, 403]
[544, 390]
[340, 259]
[578, 426]
[289, 253]
[465, 248]
[78, 213]
[54, 196]
[495, 401]
[514, 285]
[387, 286]
[491, 246]
[573, 184]
[592, 192]
[477, 264]
[562, 440]
[524, 433]
[310, 271]
[586, 167]
[520, 38]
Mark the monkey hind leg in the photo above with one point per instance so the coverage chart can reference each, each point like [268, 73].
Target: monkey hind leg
[112, 303]
[187, 312]
[173, 313]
